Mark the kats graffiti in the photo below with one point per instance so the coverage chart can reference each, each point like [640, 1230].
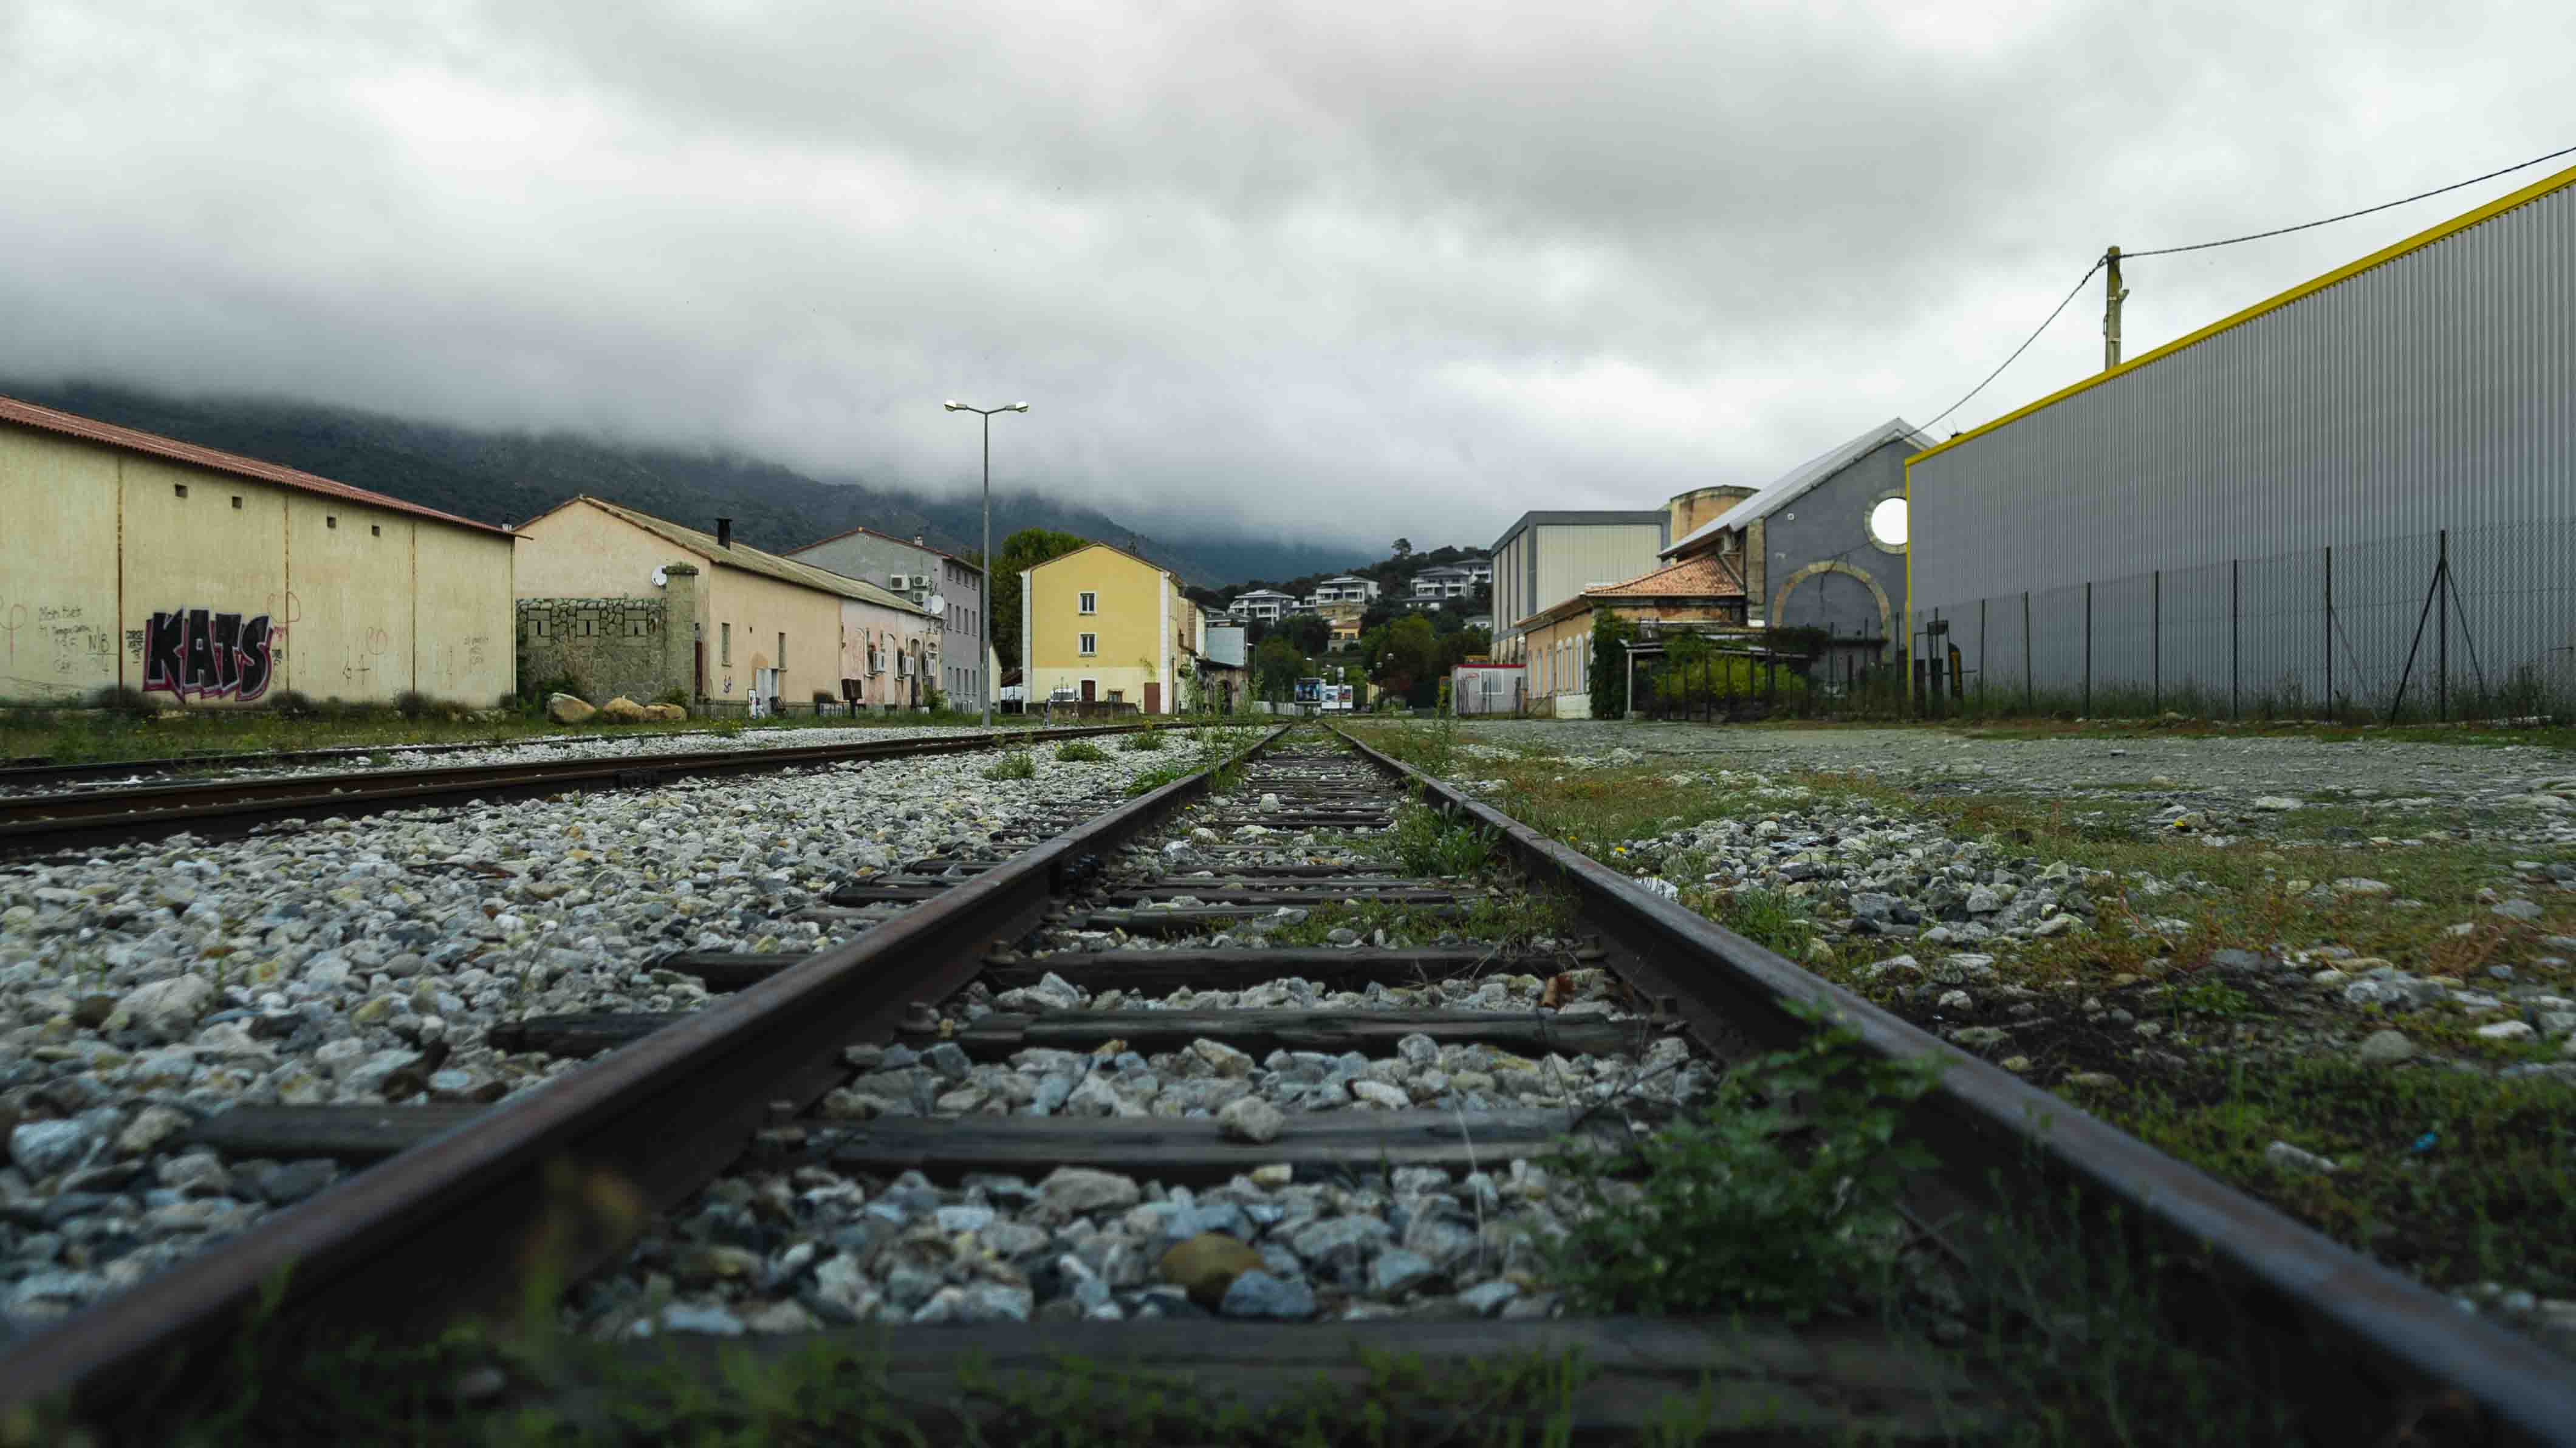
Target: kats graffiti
[199, 653]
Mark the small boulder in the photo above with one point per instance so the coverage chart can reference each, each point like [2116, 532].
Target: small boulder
[565, 709]
[1258, 1294]
[666, 713]
[1249, 1118]
[622, 710]
[1206, 1265]
[2384, 1048]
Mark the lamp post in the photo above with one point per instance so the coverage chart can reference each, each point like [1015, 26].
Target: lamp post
[984, 615]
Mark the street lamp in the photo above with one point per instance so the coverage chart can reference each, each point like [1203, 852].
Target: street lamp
[984, 615]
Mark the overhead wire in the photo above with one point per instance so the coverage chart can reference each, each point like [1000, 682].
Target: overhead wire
[2025, 344]
[2349, 215]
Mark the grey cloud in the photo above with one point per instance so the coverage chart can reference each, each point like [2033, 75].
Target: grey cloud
[1336, 271]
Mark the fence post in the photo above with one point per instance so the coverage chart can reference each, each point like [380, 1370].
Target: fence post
[1981, 654]
[2442, 645]
[2330, 631]
[2027, 704]
[2088, 649]
[2235, 613]
[2156, 643]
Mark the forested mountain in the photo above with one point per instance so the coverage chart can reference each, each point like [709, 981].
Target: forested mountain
[510, 477]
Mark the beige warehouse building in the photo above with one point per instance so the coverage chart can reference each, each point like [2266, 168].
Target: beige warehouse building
[208, 579]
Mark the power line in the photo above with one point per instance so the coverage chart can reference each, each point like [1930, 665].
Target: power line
[2024, 347]
[2349, 215]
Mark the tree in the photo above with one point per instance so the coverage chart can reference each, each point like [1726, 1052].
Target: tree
[1276, 668]
[1403, 549]
[1023, 550]
[1609, 683]
[1309, 633]
[1406, 657]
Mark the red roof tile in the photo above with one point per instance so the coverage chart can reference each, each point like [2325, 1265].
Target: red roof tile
[90, 429]
[1706, 576]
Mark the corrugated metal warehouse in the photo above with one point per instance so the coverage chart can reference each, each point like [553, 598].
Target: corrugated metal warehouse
[2257, 515]
[205, 578]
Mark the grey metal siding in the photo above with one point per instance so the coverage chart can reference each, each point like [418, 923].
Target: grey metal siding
[1831, 522]
[2200, 492]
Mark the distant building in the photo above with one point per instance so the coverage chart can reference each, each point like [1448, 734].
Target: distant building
[920, 573]
[736, 624]
[1699, 593]
[207, 579]
[1441, 582]
[1546, 558]
[1267, 604]
[1344, 588]
[1225, 670]
[1103, 626]
[1809, 547]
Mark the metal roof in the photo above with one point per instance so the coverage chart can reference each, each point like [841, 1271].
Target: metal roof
[90, 429]
[1578, 518]
[1800, 481]
[743, 556]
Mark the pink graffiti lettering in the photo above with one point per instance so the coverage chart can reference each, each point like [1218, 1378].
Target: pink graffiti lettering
[197, 653]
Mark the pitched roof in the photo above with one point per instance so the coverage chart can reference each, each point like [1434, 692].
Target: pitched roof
[1702, 577]
[90, 429]
[1114, 548]
[1799, 481]
[889, 537]
[743, 556]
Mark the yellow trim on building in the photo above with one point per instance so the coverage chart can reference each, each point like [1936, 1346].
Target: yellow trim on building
[2417, 242]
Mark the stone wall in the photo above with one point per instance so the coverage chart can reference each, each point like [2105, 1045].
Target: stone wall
[609, 646]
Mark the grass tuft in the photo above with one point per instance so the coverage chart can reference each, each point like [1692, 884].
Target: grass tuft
[1014, 764]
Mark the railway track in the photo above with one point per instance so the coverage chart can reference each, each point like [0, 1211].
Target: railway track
[1222, 1020]
[34, 772]
[90, 817]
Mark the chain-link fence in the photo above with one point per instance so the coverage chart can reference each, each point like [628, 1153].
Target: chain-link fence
[2453, 625]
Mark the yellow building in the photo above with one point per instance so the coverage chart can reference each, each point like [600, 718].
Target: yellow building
[763, 626]
[205, 578]
[1105, 626]
[1557, 641]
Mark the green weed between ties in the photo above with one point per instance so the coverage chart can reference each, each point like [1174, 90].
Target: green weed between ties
[1427, 842]
[1143, 741]
[1081, 751]
[1747, 1204]
[1014, 764]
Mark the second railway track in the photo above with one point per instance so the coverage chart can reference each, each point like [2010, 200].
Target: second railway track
[1230, 1083]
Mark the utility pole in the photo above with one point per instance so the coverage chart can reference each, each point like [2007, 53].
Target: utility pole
[2113, 294]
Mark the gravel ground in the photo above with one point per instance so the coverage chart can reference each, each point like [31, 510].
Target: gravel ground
[2216, 768]
[788, 1247]
[537, 749]
[1971, 938]
[353, 961]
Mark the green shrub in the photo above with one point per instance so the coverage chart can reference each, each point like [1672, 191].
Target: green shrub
[1081, 751]
[1748, 1205]
[1143, 741]
[413, 704]
[1014, 764]
[294, 704]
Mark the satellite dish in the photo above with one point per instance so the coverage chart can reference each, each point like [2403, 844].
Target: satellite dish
[660, 577]
[935, 604]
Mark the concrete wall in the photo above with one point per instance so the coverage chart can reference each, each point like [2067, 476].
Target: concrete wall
[1819, 563]
[1132, 627]
[236, 591]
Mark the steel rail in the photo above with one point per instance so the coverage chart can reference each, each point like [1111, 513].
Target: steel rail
[40, 769]
[2367, 1348]
[413, 1240]
[91, 817]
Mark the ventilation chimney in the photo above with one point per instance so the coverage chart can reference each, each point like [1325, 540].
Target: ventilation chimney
[724, 532]
[916, 540]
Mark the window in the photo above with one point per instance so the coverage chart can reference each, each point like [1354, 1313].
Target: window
[236, 502]
[375, 530]
[782, 649]
[724, 643]
[179, 490]
[1090, 643]
[330, 520]
[1088, 603]
[1887, 524]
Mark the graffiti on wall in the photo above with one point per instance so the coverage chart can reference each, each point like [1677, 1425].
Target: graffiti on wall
[197, 653]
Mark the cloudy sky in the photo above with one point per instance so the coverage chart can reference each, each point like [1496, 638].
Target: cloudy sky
[1332, 271]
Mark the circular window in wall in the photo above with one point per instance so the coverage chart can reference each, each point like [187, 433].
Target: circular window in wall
[1887, 524]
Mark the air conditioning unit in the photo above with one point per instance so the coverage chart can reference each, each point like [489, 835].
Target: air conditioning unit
[899, 582]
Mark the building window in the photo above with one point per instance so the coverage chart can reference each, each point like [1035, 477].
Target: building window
[724, 643]
[375, 530]
[179, 490]
[1088, 603]
[782, 649]
[236, 502]
[1887, 523]
[1089, 643]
